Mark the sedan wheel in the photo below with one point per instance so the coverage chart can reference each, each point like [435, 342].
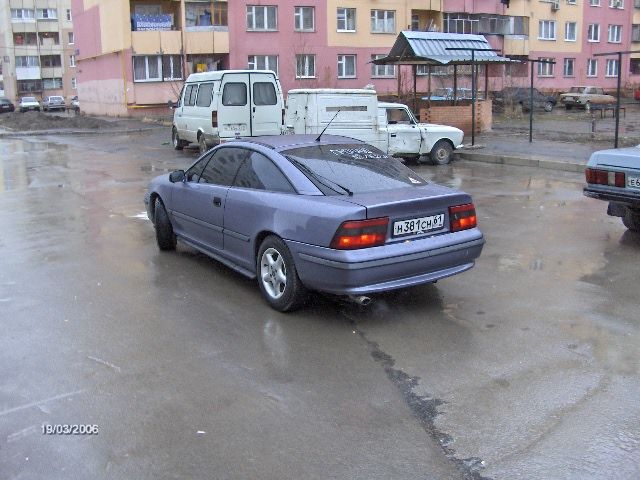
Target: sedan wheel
[277, 276]
[164, 230]
[441, 152]
[631, 220]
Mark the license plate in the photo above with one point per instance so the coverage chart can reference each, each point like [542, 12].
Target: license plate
[418, 225]
[236, 127]
[633, 182]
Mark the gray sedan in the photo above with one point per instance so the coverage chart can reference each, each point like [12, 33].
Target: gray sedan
[301, 213]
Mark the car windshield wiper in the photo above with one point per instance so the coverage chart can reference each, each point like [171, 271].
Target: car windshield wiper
[319, 178]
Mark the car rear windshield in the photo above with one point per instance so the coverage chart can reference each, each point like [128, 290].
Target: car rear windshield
[28, 99]
[351, 168]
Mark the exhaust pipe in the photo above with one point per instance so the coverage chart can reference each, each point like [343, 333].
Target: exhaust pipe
[361, 300]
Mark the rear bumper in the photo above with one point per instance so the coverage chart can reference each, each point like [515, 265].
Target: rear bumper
[388, 267]
[626, 199]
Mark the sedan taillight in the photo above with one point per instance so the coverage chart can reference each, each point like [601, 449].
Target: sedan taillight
[462, 217]
[355, 234]
[605, 177]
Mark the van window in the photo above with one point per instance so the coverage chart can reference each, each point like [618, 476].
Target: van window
[190, 95]
[222, 168]
[204, 95]
[260, 173]
[234, 94]
[264, 93]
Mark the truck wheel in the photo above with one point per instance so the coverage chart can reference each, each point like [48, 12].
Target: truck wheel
[175, 139]
[631, 220]
[441, 152]
[548, 107]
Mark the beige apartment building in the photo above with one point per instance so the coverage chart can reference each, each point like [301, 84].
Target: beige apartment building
[37, 49]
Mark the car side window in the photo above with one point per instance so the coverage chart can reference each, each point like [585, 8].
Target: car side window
[193, 174]
[204, 95]
[224, 165]
[264, 93]
[258, 172]
[190, 95]
[398, 115]
[234, 94]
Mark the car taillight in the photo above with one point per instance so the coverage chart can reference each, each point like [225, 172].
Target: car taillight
[462, 217]
[604, 177]
[214, 119]
[355, 234]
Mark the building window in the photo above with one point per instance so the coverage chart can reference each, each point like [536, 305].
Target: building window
[569, 66]
[415, 22]
[52, 83]
[304, 19]
[305, 66]
[616, 4]
[346, 19]
[346, 66]
[635, 33]
[27, 61]
[460, 23]
[634, 67]
[612, 68]
[382, 71]
[595, 3]
[51, 61]
[71, 38]
[593, 32]
[74, 83]
[221, 14]
[262, 17]
[570, 32]
[592, 67]
[571, 2]
[172, 67]
[383, 21]
[546, 30]
[29, 86]
[545, 69]
[47, 14]
[22, 15]
[263, 62]
[49, 38]
[72, 60]
[69, 18]
[615, 33]
[147, 68]
[25, 38]
[200, 14]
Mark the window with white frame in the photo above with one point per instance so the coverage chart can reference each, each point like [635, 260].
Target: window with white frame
[593, 32]
[569, 67]
[69, 17]
[615, 33]
[571, 2]
[74, 83]
[545, 69]
[27, 61]
[460, 23]
[47, 14]
[52, 83]
[570, 29]
[346, 66]
[305, 66]
[616, 4]
[346, 18]
[71, 38]
[546, 30]
[263, 62]
[592, 67]
[595, 3]
[72, 60]
[382, 71]
[22, 15]
[304, 19]
[147, 68]
[172, 67]
[612, 67]
[383, 21]
[261, 17]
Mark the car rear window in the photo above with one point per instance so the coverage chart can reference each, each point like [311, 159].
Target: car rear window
[355, 167]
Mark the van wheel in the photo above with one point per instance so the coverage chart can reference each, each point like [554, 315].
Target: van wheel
[441, 152]
[202, 144]
[175, 139]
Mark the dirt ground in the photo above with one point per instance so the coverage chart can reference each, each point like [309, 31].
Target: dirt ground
[31, 121]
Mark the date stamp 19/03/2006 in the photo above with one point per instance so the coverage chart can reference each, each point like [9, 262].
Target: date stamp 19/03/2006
[71, 429]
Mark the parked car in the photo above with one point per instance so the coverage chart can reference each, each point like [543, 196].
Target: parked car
[53, 102]
[75, 104]
[300, 213]
[29, 103]
[583, 97]
[6, 105]
[446, 93]
[512, 96]
[614, 176]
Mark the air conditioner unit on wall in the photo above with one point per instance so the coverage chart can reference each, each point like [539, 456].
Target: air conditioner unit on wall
[555, 6]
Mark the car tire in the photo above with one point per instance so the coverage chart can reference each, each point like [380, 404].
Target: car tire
[441, 153]
[548, 107]
[277, 276]
[568, 107]
[202, 144]
[164, 230]
[175, 139]
[631, 220]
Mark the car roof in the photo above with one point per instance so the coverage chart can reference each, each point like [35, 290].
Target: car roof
[288, 142]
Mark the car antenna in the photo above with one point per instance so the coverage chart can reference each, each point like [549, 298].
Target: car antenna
[325, 128]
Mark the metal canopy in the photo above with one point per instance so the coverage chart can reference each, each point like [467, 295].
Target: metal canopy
[430, 48]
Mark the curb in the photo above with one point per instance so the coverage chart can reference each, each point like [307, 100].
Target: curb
[539, 162]
[76, 132]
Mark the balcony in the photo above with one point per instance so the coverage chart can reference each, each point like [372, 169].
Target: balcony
[28, 73]
[516, 45]
[426, 20]
[206, 42]
[156, 42]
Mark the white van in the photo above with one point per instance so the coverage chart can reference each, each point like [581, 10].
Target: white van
[389, 126]
[222, 105]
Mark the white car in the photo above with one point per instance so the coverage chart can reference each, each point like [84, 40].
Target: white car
[29, 103]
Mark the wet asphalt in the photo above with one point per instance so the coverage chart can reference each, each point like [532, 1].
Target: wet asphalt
[527, 366]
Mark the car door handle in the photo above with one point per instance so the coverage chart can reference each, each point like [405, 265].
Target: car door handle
[217, 201]
[393, 135]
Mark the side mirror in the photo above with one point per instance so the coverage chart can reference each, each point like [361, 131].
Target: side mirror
[171, 104]
[176, 176]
